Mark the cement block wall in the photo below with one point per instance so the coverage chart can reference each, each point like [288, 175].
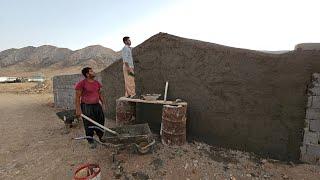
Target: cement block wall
[63, 90]
[310, 150]
[113, 87]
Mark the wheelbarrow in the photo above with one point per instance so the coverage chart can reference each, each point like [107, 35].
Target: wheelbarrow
[138, 136]
[68, 117]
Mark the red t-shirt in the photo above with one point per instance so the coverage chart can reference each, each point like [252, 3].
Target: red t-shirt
[90, 91]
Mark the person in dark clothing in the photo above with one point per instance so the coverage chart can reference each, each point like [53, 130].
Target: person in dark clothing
[89, 102]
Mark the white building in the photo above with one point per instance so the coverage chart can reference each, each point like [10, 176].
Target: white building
[8, 79]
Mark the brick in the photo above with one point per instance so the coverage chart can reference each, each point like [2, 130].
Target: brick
[311, 137]
[312, 113]
[314, 125]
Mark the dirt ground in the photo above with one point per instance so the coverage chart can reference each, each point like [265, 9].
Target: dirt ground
[34, 145]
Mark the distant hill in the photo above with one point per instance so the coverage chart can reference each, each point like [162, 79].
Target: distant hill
[51, 57]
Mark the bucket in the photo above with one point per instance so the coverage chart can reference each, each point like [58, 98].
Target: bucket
[87, 172]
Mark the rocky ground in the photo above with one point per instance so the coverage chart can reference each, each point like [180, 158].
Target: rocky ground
[35, 145]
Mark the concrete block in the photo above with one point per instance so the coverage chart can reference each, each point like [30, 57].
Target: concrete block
[309, 103]
[316, 84]
[310, 137]
[303, 149]
[307, 124]
[312, 113]
[314, 125]
[316, 77]
[307, 158]
[314, 91]
[315, 102]
[314, 150]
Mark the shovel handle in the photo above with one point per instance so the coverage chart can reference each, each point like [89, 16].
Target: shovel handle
[103, 127]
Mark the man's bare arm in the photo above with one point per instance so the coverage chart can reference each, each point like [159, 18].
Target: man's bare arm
[77, 102]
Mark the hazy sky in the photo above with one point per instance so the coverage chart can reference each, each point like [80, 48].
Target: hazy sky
[74, 24]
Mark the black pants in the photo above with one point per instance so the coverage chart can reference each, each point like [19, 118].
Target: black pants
[95, 112]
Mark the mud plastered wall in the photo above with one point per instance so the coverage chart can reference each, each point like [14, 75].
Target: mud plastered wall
[237, 98]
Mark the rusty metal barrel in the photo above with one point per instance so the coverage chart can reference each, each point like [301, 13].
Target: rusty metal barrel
[125, 112]
[173, 130]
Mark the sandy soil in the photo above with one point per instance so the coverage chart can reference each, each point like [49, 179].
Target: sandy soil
[13, 87]
[34, 145]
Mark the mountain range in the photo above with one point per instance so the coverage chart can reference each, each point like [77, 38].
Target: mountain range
[47, 56]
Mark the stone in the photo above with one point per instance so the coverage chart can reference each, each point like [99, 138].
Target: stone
[140, 175]
[285, 176]
[157, 163]
[264, 161]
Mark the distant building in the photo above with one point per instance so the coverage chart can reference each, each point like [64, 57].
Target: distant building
[8, 79]
[36, 79]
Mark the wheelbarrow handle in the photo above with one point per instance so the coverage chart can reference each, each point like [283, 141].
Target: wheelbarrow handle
[95, 123]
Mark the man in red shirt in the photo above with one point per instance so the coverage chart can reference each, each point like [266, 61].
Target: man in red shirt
[89, 102]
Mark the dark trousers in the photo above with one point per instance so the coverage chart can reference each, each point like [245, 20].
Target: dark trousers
[95, 112]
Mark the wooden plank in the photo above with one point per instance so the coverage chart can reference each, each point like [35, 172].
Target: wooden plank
[152, 102]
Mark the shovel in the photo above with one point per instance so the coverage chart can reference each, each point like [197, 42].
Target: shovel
[99, 125]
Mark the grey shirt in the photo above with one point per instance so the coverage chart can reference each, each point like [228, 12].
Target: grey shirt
[127, 56]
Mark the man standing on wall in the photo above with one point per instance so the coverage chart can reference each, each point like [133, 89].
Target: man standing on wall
[128, 68]
[89, 102]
